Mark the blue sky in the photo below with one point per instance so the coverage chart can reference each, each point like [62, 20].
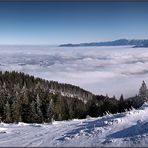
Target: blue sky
[71, 22]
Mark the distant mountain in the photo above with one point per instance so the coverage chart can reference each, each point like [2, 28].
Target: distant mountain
[120, 42]
[142, 45]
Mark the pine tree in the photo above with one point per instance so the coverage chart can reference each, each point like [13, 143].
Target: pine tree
[143, 92]
[121, 98]
[16, 111]
[38, 107]
[7, 113]
[33, 115]
[49, 113]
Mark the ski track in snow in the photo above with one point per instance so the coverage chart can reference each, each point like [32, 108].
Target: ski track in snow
[122, 129]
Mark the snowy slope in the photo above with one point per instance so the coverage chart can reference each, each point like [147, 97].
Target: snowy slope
[122, 129]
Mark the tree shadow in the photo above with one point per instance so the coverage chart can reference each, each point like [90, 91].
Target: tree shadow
[87, 127]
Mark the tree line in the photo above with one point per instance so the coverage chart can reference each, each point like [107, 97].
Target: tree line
[24, 98]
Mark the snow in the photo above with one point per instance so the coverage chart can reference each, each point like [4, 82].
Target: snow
[121, 129]
[67, 94]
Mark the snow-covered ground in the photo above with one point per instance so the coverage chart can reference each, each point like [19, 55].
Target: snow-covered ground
[122, 129]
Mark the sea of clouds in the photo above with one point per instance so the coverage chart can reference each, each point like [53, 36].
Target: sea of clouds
[103, 70]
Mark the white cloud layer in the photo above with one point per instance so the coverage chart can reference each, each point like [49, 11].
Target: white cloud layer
[102, 70]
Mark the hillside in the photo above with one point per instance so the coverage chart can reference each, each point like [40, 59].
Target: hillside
[119, 130]
[28, 99]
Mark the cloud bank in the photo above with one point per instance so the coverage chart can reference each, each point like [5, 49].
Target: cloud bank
[102, 70]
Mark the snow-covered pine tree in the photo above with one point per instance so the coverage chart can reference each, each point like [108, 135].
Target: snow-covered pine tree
[7, 113]
[16, 111]
[143, 92]
[39, 112]
[33, 114]
[50, 111]
[121, 98]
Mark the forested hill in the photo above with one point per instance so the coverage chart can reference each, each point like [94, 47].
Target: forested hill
[28, 99]
[21, 80]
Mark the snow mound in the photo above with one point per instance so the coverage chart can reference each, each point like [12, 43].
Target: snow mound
[3, 130]
[22, 124]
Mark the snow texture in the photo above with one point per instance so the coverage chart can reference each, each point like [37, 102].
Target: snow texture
[121, 129]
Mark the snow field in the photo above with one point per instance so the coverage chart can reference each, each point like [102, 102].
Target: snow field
[121, 129]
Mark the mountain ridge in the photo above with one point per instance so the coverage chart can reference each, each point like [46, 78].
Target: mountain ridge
[120, 42]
